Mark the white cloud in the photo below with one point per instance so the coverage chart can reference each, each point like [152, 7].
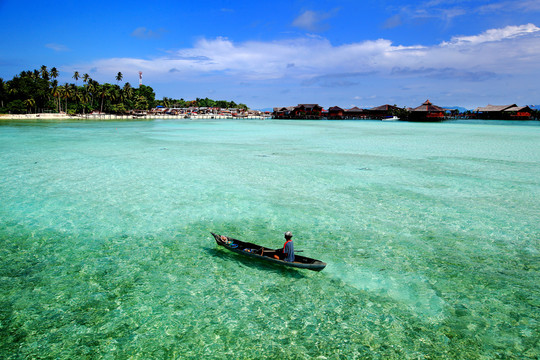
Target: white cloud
[145, 34]
[510, 6]
[57, 47]
[312, 21]
[508, 32]
[393, 22]
[447, 10]
[444, 11]
[316, 62]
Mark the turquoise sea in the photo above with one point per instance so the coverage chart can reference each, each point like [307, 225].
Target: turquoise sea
[430, 231]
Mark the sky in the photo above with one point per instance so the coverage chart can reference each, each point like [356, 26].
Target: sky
[266, 54]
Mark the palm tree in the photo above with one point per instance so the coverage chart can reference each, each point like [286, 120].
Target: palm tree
[11, 90]
[63, 94]
[3, 91]
[119, 77]
[127, 92]
[87, 80]
[44, 72]
[54, 73]
[116, 94]
[74, 94]
[92, 87]
[67, 93]
[30, 103]
[167, 102]
[141, 103]
[83, 98]
[55, 92]
[103, 92]
[76, 76]
[128, 89]
[61, 90]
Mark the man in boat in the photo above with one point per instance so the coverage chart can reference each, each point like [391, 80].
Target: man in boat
[288, 248]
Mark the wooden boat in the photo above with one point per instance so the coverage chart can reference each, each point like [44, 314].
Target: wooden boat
[266, 254]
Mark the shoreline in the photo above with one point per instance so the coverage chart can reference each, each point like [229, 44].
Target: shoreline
[103, 117]
[112, 117]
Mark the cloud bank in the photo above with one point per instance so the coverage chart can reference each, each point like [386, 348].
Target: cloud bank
[313, 60]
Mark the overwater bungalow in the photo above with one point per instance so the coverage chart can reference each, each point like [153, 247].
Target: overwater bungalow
[282, 112]
[504, 112]
[520, 113]
[355, 113]
[383, 111]
[427, 112]
[301, 111]
[307, 111]
[336, 113]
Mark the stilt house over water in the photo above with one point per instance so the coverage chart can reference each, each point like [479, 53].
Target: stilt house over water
[504, 112]
[356, 113]
[307, 111]
[335, 112]
[383, 111]
[427, 112]
[301, 111]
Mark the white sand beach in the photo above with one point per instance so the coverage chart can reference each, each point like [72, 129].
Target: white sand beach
[36, 116]
[56, 116]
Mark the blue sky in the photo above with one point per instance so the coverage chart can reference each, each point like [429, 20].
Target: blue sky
[264, 54]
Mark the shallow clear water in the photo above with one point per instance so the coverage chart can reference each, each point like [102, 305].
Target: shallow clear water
[430, 232]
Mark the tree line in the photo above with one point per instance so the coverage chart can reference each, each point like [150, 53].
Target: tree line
[198, 102]
[39, 91]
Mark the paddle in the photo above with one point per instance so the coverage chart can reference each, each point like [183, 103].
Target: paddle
[298, 250]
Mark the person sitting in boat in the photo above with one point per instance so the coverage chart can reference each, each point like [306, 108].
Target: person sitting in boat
[288, 248]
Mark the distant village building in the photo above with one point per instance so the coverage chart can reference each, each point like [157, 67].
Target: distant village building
[504, 112]
[301, 111]
[206, 112]
[307, 111]
[335, 112]
[314, 111]
[427, 112]
[283, 112]
[355, 113]
[338, 113]
[383, 111]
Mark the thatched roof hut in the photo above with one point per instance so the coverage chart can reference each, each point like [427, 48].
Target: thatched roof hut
[386, 108]
[383, 111]
[427, 106]
[335, 112]
[504, 112]
[427, 112]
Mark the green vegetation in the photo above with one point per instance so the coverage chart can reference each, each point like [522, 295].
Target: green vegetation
[401, 113]
[206, 102]
[38, 91]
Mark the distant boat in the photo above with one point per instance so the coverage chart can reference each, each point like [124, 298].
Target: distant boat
[391, 118]
[266, 254]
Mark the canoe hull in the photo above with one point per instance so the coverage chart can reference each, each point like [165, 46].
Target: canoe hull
[255, 251]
